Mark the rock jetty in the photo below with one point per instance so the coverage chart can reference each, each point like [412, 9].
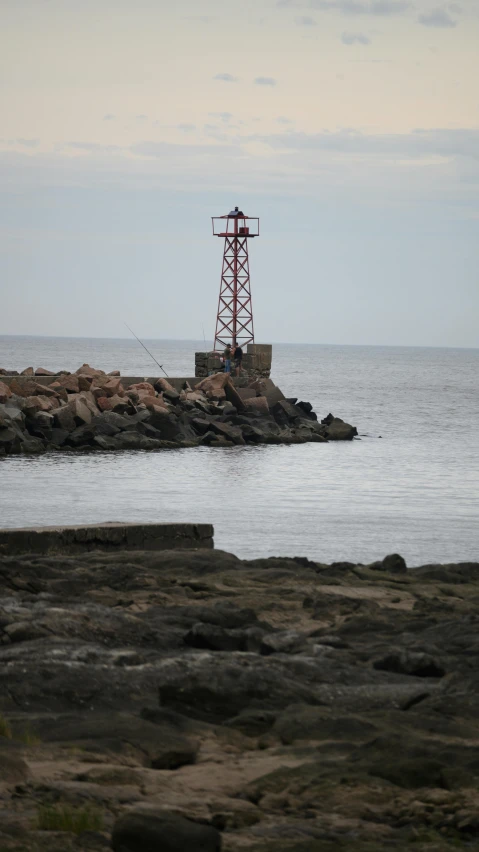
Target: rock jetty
[89, 410]
[187, 700]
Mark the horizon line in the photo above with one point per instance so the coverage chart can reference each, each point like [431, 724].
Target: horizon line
[273, 343]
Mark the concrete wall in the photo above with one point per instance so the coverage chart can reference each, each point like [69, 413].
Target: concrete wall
[257, 360]
[110, 536]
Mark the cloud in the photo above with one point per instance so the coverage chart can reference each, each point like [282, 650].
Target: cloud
[186, 128]
[27, 143]
[225, 116]
[419, 143]
[439, 17]
[141, 117]
[108, 117]
[265, 81]
[93, 147]
[226, 78]
[355, 38]
[283, 120]
[380, 8]
[305, 21]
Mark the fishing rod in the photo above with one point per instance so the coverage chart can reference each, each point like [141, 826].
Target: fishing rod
[147, 350]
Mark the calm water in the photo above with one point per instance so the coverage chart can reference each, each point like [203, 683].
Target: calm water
[415, 490]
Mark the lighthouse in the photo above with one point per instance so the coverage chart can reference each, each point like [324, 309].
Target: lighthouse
[234, 319]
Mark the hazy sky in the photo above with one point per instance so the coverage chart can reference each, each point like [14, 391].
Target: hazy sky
[351, 127]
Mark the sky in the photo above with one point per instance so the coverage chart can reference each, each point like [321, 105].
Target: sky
[350, 127]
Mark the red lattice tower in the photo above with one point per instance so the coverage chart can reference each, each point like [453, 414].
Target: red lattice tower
[234, 321]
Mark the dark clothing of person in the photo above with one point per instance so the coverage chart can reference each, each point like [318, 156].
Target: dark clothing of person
[238, 356]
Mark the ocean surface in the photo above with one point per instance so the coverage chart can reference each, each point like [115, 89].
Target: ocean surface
[409, 485]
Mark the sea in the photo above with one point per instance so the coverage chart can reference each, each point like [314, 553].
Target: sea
[409, 484]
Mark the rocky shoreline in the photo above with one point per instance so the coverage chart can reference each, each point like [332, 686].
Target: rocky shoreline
[89, 410]
[187, 699]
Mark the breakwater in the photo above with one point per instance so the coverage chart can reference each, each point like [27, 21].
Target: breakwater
[89, 410]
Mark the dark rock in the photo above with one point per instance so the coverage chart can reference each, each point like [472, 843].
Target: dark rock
[220, 639]
[105, 442]
[201, 425]
[284, 412]
[233, 396]
[205, 688]
[253, 434]
[338, 430]
[161, 831]
[413, 663]
[225, 430]
[135, 441]
[109, 423]
[157, 746]
[24, 631]
[394, 563]
[253, 723]
[13, 769]
[300, 722]
[64, 419]
[58, 437]
[306, 407]
[164, 387]
[284, 642]
[167, 423]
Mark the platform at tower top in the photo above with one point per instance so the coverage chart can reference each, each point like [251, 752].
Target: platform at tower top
[256, 361]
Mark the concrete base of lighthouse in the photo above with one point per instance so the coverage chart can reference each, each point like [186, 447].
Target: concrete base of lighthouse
[257, 361]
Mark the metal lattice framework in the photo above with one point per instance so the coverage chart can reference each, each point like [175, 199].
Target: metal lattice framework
[234, 321]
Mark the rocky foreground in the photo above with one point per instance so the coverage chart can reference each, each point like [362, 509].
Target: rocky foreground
[191, 701]
[91, 410]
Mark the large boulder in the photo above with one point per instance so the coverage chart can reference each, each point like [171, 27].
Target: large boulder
[338, 430]
[394, 563]
[163, 386]
[162, 831]
[5, 392]
[64, 418]
[214, 386]
[31, 388]
[234, 397]
[107, 386]
[68, 383]
[257, 405]
[86, 370]
[109, 423]
[122, 405]
[167, 423]
[285, 412]
[226, 430]
[84, 383]
[83, 408]
[40, 371]
[143, 386]
[29, 371]
[34, 404]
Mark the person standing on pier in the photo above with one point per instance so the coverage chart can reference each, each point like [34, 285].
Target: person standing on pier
[238, 356]
[227, 358]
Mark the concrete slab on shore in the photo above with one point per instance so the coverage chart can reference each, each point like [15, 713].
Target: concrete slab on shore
[108, 536]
